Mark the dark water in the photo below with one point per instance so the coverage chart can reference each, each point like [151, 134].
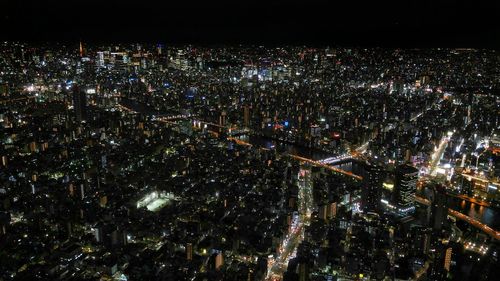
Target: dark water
[138, 106]
[488, 216]
[282, 147]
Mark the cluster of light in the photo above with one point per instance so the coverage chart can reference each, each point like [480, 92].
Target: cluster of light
[405, 210]
[472, 246]
[356, 207]
[385, 202]
[331, 160]
[30, 88]
[147, 199]
[388, 186]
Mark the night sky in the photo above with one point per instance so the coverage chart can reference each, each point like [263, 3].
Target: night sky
[404, 23]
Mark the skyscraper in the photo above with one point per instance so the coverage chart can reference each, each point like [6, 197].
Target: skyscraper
[219, 261]
[406, 186]
[222, 119]
[439, 209]
[79, 104]
[372, 185]
[189, 251]
[246, 116]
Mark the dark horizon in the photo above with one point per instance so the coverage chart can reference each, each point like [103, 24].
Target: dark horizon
[413, 24]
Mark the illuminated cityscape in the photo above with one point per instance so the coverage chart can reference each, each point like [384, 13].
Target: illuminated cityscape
[247, 162]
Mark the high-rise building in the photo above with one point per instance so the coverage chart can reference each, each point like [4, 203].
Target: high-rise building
[100, 60]
[439, 208]
[421, 240]
[442, 261]
[222, 119]
[189, 251]
[219, 261]
[447, 259]
[372, 186]
[4, 89]
[303, 271]
[332, 210]
[79, 104]
[246, 116]
[323, 211]
[406, 186]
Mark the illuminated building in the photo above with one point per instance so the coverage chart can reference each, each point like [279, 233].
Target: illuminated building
[447, 259]
[323, 212]
[421, 240]
[154, 201]
[332, 210]
[222, 119]
[100, 61]
[373, 180]
[219, 261]
[406, 186]
[189, 251]
[81, 49]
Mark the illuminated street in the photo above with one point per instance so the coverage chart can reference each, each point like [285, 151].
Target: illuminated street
[438, 154]
[296, 234]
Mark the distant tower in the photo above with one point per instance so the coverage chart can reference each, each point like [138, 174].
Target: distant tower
[79, 104]
[81, 49]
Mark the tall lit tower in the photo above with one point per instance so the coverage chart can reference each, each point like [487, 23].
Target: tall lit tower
[81, 49]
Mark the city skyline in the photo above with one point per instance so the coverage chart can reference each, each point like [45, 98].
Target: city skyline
[249, 141]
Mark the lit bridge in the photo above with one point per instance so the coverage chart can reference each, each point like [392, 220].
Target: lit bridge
[326, 166]
[486, 229]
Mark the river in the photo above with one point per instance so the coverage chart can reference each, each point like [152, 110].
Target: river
[486, 215]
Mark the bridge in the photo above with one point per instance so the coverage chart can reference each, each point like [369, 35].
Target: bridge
[336, 159]
[326, 166]
[307, 160]
[486, 229]
[16, 99]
